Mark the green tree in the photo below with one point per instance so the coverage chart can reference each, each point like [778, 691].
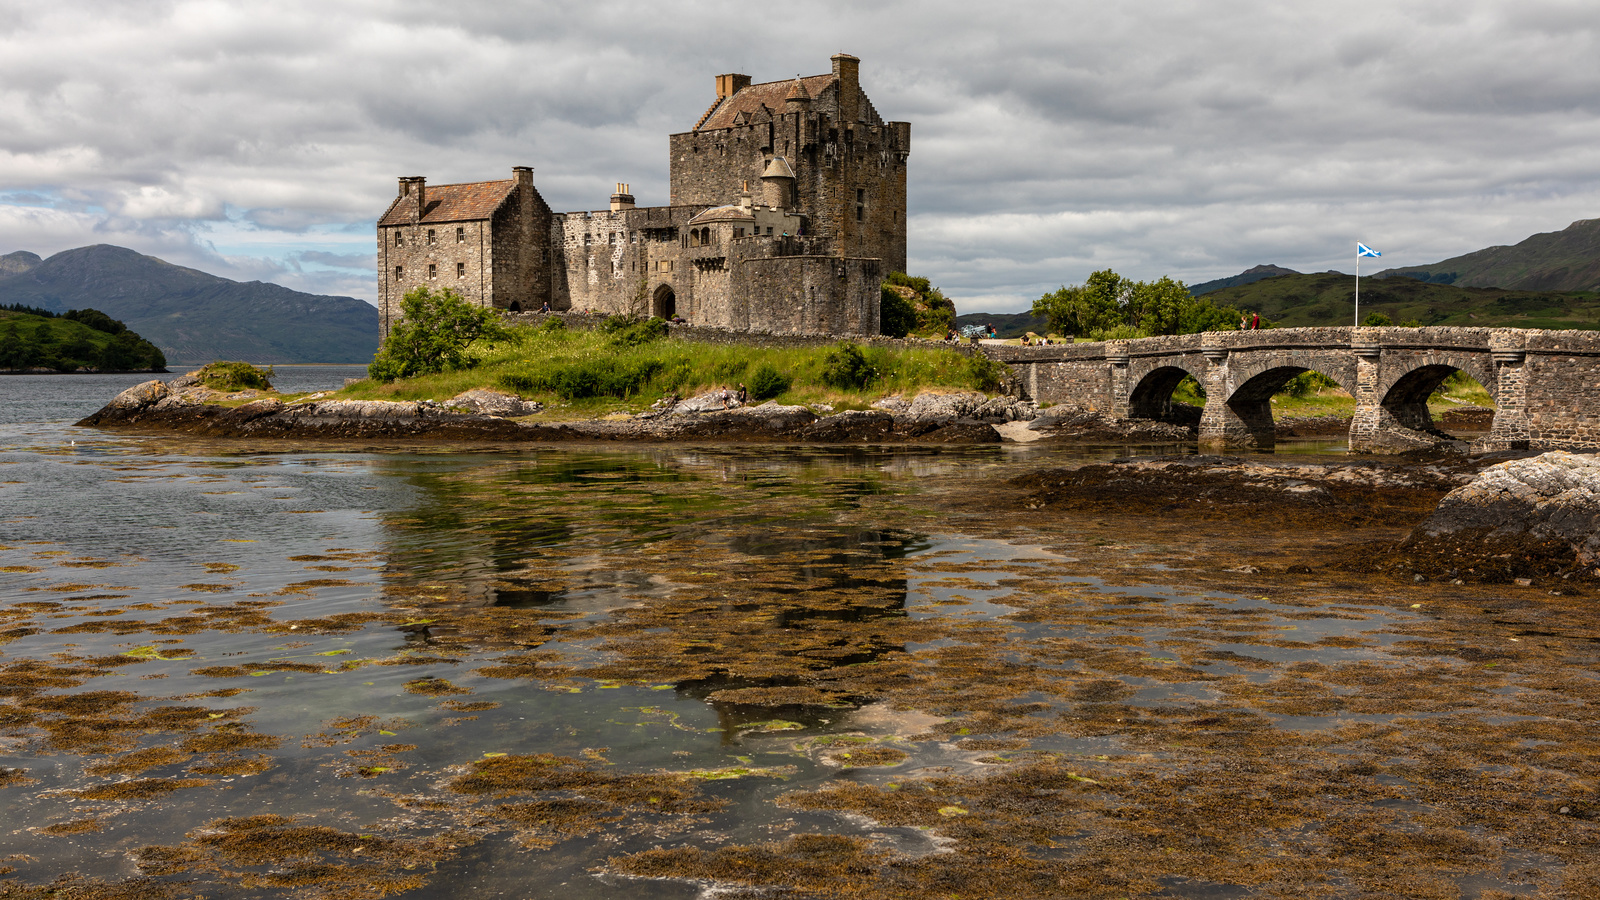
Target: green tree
[897, 317]
[434, 335]
[1107, 305]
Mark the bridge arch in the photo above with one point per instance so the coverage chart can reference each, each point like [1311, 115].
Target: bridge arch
[1245, 414]
[1403, 391]
[1151, 396]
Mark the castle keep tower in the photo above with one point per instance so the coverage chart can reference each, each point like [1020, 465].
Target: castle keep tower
[787, 208]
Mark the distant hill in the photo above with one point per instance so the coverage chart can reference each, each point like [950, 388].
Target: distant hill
[1566, 260]
[1327, 298]
[1006, 325]
[192, 316]
[1248, 276]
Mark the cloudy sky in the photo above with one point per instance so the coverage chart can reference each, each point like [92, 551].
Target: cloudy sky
[1049, 139]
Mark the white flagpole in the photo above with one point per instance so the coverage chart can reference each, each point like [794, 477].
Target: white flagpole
[1358, 285]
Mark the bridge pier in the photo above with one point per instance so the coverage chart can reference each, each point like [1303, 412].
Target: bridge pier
[1510, 429]
[1242, 423]
[1403, 423]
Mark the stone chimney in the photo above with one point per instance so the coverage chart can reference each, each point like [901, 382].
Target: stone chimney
[622, 199]
[415, 187]
[728, 85]
[745, 199]
[522, 175]
[847, 69]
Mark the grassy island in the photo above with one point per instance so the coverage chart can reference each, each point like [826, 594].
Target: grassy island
[630, 364]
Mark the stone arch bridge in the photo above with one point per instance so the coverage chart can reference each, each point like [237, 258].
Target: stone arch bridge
[1545, 384]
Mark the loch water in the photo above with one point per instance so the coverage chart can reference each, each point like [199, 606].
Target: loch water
[434, 671]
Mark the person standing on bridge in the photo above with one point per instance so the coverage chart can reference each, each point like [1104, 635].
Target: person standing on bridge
[1255, 322]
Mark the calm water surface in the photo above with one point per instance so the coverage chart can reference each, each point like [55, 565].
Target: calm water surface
[354, 634]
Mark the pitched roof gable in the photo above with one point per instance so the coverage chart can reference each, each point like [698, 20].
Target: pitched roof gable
[453, 203]
[748, 101]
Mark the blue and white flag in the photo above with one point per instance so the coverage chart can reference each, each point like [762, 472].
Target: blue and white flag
[1364, 250]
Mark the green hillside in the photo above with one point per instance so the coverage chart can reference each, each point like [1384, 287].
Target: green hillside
[82, 339]
[1565, 260]
[192, 316]
[1328, 298]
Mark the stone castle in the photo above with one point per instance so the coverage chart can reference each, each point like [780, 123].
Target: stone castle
[788, 207]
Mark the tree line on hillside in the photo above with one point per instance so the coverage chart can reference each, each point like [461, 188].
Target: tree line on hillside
[33, 338]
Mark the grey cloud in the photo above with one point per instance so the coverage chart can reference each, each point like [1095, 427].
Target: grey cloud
[1049, 138]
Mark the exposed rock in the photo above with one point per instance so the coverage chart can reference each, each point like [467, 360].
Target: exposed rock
[1364, 493]
[1551, 497]
[851, 426]
[493, 403]
[1069, 424]
[138, 397]
[940, 408]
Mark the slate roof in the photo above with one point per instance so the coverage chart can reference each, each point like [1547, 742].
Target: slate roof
[453, 203]
[751, 99]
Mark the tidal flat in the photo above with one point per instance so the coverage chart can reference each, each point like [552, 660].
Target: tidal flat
[760, 671]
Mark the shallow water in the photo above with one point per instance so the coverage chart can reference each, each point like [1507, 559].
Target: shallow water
[522, 673]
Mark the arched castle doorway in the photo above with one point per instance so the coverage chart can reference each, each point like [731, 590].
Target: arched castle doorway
[665, 303]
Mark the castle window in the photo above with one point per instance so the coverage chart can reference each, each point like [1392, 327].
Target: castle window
[433, 270]
[769, 231]
[399, 239]
[461, 235]
[431, 236]
[860, 212]
[861, 195]
[461, 270]
[399, 273]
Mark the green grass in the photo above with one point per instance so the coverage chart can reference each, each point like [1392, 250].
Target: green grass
[585, 374]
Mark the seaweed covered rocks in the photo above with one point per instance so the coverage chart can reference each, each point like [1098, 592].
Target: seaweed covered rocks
[1532, 516]
[1355, 494]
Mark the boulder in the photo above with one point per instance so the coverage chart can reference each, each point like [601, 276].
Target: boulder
[929, 407]
[485, 402]
[1553, 497]
[138, 397]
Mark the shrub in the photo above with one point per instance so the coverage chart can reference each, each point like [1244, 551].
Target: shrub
[986, 374]
[1307, 383]
[897, 315]
[434, 335]
[234, 376]
[551, 324]
[626, 331]
[1377, 320]
[846, 368]
[767, 382]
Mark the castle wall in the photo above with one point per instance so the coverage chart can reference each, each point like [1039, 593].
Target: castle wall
[457, 255]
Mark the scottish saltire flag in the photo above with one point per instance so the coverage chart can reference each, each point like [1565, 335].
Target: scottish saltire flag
[1364, 250]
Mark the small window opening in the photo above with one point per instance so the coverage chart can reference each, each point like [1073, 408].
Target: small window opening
[432, 238]
[399, 239]
[461, 235]
[399, 273]
[461, 270]
[433, 270]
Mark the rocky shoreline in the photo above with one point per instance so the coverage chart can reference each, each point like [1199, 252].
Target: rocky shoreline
[187, 407]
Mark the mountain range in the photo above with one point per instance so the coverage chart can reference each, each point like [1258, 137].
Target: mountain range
[1565, 260]
[194, 317]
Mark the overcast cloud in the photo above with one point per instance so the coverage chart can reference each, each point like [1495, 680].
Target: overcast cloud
[1049, 139]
